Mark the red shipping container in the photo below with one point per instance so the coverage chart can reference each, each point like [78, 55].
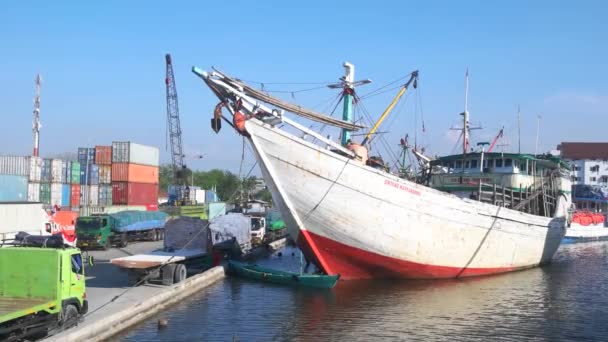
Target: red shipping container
[152, 207]
[103, 155]
[134, 173]
[124, 193]
[75, 195]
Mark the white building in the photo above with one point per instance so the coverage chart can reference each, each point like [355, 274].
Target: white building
[589, 172]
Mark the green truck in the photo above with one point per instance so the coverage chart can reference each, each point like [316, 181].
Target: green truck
[42, 290]
[117, 229]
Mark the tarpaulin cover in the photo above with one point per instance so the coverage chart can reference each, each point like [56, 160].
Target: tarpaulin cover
[138, 220]
[231, 225]
[187, 233]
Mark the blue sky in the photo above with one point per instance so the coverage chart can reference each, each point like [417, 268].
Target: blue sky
[103, 66]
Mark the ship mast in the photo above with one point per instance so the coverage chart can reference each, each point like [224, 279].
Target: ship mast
[36, 123]
[348, 85]
[465, 116]
[347, 98]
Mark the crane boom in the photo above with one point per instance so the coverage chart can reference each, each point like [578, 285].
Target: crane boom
[174, 130]
[498, 136]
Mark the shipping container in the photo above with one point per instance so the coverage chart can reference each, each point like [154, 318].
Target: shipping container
[33, 192]
[94, 194]
[134, 193]
[45, 173]
[75, 172]
[89, 195]
[65, 195]
[45, 193]
[105, 194]
[56, 170]
[135, 173]
[13, 188]
[210, 196]
[91, 177]
[128, 152]
[14, 165]
[105, 174]
[75, 195]
[56, 192]
[86, 155]
[66, 172]
[35, 172]
[103, 155]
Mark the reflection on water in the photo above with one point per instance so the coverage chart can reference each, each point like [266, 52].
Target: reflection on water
[565, 300]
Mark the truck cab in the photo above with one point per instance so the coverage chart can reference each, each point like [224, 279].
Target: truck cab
[94, 231]
[41, 289]
[258, 229]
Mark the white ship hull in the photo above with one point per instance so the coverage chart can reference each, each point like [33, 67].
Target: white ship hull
[353, 220]
[580, 233]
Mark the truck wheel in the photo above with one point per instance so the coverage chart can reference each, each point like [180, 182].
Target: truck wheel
[180, 273]
[69, 316]
[123, 240]
[161, 234]
[108, 244]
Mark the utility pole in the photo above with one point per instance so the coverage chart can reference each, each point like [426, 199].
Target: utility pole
[36, 124]
[518, 130]
[537, 133]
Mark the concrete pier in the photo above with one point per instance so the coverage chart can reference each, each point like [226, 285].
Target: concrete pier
[105, 281]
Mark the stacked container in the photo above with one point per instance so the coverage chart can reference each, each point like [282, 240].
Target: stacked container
[14, 172]
[45, 181]
[103, 158]
[134, 174]
[34, 178]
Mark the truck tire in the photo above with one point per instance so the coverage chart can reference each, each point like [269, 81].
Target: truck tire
[180, 273]
[108, 244]
[167, 274]
[154, 235]
[123, 240]
[69, 316]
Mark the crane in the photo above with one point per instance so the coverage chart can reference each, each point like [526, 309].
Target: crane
[174, 133]
[498, 136]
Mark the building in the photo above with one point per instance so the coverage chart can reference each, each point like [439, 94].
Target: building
[589, 173]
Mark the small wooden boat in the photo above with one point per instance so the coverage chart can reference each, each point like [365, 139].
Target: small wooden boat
[281, 277]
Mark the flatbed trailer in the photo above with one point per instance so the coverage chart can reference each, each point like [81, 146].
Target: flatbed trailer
[164, 266]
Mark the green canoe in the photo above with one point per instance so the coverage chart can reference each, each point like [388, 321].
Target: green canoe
[280, 277]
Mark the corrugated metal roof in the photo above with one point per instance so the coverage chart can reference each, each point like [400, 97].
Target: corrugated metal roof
[583, 150]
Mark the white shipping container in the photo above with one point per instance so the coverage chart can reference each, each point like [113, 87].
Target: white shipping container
[105, 174]
[33, 192]
[199, 196]
[128, 152]
[56, 193]
[27, 217]
[94, 194]
[14, 165]
[56, 170]
[35, 169]
[89, 195]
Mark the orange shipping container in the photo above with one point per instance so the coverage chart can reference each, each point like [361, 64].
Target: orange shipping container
[103, 155]
[135, 173]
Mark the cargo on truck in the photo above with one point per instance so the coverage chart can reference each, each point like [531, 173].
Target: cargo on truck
[42, 289]
[186, 250]
[118, 229]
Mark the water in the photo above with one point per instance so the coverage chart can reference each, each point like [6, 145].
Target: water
[566, 300]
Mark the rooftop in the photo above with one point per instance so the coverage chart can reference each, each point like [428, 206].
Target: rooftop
[583, 150]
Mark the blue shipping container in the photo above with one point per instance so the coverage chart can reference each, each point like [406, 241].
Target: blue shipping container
[91, 177]
[46, 171]
[210, 196]
[66, 171]
[86, 155]
[65, 195]
[13, 188]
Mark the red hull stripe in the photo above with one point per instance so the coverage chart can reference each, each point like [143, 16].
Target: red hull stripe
[354, 263]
